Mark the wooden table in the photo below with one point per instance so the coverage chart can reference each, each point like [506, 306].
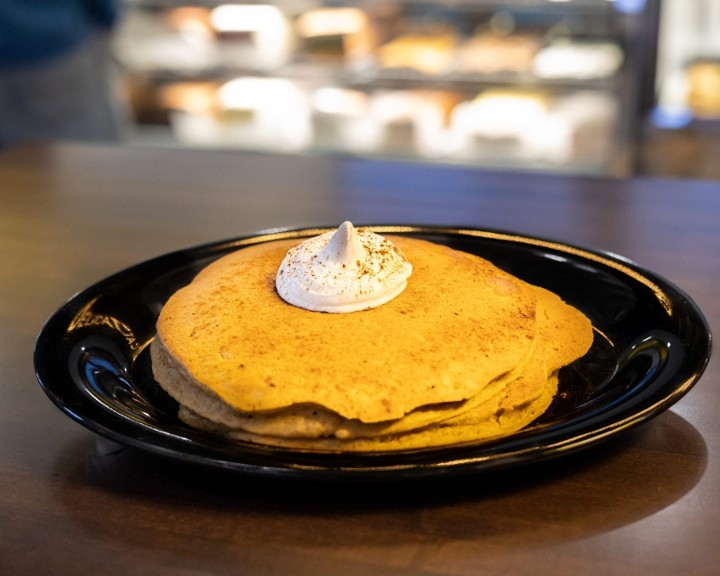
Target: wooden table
[645, 503]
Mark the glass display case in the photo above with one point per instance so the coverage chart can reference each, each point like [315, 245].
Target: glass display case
[526, 84]
[682, 130]
[688, 78]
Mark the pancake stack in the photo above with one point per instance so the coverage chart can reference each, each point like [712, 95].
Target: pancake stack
[467, 352]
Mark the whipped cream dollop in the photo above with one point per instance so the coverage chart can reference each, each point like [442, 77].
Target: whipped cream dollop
[344, 270]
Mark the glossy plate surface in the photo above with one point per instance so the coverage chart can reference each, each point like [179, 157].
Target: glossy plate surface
[652, 343]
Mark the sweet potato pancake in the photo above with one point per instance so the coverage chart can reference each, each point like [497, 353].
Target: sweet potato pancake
[467, 351]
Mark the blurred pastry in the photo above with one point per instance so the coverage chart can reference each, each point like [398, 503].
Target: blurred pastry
[491, 53]
[428, 53]
[342, 33]
[252, 36]
[581, 60]
[703, 79]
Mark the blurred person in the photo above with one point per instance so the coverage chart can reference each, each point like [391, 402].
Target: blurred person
[56, 71]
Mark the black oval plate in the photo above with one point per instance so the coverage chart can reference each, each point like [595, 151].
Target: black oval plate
[651, 345]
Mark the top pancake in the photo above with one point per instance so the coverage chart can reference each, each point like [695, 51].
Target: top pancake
[460, 324]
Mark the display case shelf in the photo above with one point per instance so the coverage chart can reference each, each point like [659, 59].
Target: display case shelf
[527, 84]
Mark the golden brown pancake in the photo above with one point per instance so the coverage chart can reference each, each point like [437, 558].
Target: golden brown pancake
[467, 351]
[231, 331]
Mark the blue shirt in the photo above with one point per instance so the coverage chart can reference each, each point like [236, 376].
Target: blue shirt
[34, 30]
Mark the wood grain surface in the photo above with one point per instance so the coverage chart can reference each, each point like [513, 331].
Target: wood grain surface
[647, 502]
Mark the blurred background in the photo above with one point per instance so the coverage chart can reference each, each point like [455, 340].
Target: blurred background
[605, 87]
